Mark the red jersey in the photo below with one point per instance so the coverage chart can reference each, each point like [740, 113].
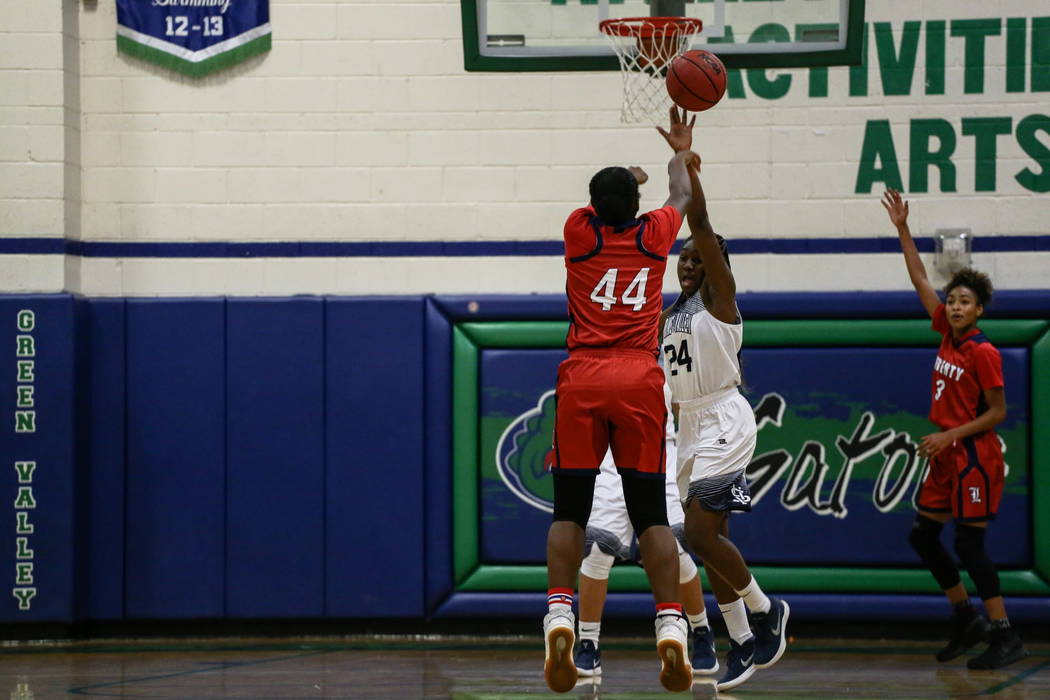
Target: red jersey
[963, 370]
[615, 278]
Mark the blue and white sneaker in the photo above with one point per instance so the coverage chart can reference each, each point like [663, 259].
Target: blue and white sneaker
[704, 659]
[588, 659]
[770, 630]
[740, 664]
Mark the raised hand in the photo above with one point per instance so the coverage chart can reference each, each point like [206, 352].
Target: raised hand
[895, 206]
[680, 136]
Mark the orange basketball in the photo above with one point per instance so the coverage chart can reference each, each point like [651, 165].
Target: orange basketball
[696, 80]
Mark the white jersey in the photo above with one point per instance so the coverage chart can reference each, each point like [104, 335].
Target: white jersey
[701, 354]
[716, 426]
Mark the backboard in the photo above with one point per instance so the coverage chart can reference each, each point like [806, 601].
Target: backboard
[562, 35]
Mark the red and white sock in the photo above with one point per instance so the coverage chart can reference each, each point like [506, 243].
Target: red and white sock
[559, 597]
[669, 609]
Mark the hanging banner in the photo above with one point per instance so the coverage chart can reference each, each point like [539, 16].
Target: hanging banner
[194, 37]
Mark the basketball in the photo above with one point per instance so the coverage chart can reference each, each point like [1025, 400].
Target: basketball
[696, 80]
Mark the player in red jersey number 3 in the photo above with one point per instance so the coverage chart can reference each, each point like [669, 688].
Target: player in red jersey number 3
[966, 474]
[610, 396]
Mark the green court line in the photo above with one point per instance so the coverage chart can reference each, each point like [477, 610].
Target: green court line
[471, 338]
[1016, 679]
[83, 690]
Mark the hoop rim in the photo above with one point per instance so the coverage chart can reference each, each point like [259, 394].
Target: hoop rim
[647, 26]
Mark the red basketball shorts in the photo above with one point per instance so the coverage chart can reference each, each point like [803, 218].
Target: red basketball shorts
[966, 479]
[610, 399]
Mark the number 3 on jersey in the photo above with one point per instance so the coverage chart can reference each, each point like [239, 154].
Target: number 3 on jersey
[604, 292]
[678, 356]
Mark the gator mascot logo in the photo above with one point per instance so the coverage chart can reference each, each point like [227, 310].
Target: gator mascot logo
[523, 454]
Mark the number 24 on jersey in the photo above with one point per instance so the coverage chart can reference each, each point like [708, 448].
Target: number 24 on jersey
[678, 357]
[604, 292]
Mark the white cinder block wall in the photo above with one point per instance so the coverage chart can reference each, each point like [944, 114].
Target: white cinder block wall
[361, 125]
[39, 149]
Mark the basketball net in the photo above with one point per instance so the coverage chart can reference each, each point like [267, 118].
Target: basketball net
[644, 47]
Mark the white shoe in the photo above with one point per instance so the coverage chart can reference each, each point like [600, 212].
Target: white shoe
[672, 634]
[559, 634]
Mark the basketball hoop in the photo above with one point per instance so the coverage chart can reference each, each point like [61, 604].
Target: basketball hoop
[644, 46]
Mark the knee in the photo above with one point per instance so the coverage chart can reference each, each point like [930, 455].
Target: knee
[686, 567]
[703, 541]
[597, 563]
[925, 535]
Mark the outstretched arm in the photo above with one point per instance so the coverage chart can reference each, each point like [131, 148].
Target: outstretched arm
[680, 138]
[716, 269]
[897, 208]
[678, 181]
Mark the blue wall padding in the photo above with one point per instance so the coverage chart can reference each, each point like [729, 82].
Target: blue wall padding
[46, 439]
[266, 458]
[101, 588]
[275, 457]
[804, 606]
[374, 423]
[438, 480]
[176, 445]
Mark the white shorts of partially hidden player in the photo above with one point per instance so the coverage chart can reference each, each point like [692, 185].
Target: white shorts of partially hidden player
[609, 512]
[716, 436]
[610, 535]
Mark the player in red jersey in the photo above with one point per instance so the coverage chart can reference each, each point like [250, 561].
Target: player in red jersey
[965, 479]
[610, 396]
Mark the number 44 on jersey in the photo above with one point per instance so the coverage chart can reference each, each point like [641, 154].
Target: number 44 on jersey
[604, 292]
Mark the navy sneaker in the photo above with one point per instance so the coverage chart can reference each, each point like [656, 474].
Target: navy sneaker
[704, 659]
[588, 659]
[770, 630]
[740, 664]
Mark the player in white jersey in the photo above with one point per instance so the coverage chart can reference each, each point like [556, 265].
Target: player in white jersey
[702, 336]
[610, 536]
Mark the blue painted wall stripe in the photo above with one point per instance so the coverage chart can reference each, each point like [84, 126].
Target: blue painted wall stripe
[33, 246]
[440, 249]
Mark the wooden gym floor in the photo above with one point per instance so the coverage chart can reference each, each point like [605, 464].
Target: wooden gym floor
[478, 669]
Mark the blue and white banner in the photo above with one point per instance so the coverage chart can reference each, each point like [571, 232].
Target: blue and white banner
[194, 37]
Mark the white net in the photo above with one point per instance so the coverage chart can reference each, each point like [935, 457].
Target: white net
[645, 46]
